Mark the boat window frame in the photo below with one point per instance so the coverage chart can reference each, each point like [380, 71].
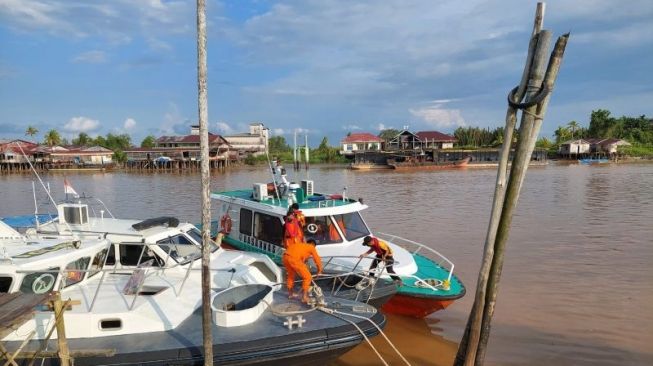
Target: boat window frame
[344, 233]
[197, 232]
[101, 258]
[53, 271]
[67, 280]
[272, 218]
[332, 222]
[242, 220]
[179, 259]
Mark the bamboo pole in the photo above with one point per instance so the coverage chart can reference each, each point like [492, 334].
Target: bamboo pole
[473, 345]
[207, 326]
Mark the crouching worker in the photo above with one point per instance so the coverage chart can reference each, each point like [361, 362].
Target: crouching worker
[294, 259]
[383, 253]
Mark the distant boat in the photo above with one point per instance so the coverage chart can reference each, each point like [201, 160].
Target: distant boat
[415, 164]
[594, 161]
[369, 166]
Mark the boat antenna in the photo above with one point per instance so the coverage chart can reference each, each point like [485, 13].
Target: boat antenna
[274, 180]
[36, 206]
[43, 185]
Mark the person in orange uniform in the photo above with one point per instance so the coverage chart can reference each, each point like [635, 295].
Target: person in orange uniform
[292, 232]
[299, 215]
[383, 253]
[294, 259]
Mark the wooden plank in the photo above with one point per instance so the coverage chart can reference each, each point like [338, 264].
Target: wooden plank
[18, 308]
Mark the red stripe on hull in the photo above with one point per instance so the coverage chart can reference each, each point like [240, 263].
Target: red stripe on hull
[417, 307]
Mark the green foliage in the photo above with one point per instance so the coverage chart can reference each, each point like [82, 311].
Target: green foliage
[83, 140]
[116, 142]
[480, 137]
[119, 156]
[637, 150]
[388, 134]
[544, 143]
[52, 138]
[148, 141]
[31, 131]
[636, 130]
[277, 144]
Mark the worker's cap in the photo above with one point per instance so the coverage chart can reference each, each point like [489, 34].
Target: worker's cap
[367, 240]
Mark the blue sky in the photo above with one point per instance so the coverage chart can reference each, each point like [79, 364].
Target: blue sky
[324, 67]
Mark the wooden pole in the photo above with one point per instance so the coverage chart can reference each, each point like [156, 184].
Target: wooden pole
[62, 342]
[207, 325]
[473, 345]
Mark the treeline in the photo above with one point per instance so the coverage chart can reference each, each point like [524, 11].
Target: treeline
[115, 143]
[636, 130]
[280, 149]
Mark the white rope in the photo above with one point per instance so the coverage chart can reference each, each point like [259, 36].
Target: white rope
[333, 313]
[380, 331]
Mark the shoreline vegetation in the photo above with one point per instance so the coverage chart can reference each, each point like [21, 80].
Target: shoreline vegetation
[638, 131]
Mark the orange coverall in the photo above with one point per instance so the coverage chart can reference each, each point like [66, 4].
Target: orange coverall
[294, 259]
[292, 232]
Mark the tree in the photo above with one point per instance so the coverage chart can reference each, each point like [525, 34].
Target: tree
[324, 145]
[561, 134]
[278, 144]
[52, 138]
[31, 131]
[148, 142]
[83, 139]
[388, 133]
[573, 127]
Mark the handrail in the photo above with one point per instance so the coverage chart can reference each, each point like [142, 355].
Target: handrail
[419, 248]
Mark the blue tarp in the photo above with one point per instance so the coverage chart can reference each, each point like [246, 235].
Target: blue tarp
[27, 221]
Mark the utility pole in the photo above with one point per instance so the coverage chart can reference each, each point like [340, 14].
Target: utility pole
[203, 109]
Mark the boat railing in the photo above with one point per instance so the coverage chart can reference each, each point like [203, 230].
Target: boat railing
[355, 270]
[417, 248]
[148, 271]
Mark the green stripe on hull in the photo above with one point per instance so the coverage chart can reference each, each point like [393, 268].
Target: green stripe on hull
[251, 248]
[427, 269]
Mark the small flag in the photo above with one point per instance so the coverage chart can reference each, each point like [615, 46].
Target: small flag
[68, 189]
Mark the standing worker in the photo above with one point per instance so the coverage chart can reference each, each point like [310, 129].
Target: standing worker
[294, 259]
[299, 215]
[292, 232]
[383, 253]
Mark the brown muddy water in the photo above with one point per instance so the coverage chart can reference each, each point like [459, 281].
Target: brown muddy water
[577, 285]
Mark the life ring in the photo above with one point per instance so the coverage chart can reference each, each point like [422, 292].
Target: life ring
[43, 283]
[312, 228]
[225, 224]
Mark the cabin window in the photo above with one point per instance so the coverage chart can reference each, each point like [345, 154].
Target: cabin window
[322, 230]
[5, 284]
[196, 235]
[39, 282]
[71, 275]
[352, 225]
[245, 221]
[130, 254]
[268, 228]
[179, 248]
[98, 262]
[111, 258]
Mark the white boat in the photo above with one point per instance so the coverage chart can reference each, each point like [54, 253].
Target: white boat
[255, 224]
[138, 288]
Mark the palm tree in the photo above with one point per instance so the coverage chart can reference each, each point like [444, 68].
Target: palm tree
[573, 126]
[52, 138]
[31, 131]
[561, 134]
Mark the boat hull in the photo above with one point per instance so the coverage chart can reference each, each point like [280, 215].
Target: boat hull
[417, 307]
[429, 165]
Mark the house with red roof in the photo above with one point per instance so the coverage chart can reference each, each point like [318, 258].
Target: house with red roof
[359, 142]
[180, 148]
[435, 140]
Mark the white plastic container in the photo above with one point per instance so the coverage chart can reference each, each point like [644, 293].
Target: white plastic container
[240, 305]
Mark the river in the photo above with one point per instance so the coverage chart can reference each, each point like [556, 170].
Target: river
[577, 285]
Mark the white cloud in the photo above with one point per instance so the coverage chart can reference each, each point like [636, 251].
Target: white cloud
[278, 131]
[224, 128]
[129, 124]
[438, 117]
[81, 124]
[91, 57]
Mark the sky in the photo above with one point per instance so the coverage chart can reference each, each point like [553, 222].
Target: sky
[320, 67]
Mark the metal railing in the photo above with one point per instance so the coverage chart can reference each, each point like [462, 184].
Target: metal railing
[415, 248]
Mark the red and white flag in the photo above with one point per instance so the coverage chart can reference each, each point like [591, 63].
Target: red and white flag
[68, 189]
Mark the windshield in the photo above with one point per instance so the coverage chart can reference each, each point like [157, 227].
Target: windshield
[196, 235]
[352, 225]
[322, 230]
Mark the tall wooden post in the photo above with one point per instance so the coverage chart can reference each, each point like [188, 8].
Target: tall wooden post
[534, 84]
[207, 326]
[62, 342]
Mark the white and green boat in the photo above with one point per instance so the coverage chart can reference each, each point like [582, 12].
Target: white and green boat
[252, 220]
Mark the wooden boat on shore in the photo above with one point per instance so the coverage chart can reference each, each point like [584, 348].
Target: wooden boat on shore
[411, 163]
